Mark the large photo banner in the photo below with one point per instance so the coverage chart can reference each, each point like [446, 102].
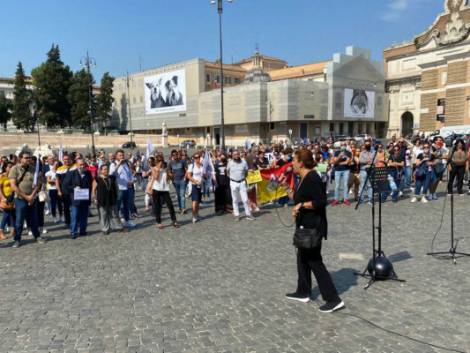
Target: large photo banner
[165, 92]
[359, 103]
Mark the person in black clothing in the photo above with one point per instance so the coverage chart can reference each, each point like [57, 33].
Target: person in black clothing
[310, 213]
[223, 195]
[81, 179]
[105, 195]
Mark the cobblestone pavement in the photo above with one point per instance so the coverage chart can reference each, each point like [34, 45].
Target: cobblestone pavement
[218, 286]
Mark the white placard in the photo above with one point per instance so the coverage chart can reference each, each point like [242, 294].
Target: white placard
[165, 92]
[359, 103]
[80, 194]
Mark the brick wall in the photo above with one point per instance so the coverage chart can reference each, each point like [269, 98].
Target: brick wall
[455, 106]
[430, 79]
[457, 72]
[428, 120]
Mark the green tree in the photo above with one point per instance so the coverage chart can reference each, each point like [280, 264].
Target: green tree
[52, 80]
[21, 113]
[5, 110]
[104, 101]
[78, 98]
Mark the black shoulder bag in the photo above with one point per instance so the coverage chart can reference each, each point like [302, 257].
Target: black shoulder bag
[306, 238]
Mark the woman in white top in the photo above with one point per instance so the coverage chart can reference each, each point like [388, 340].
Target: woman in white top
[51, 176]
[159, 187]
[195, 175]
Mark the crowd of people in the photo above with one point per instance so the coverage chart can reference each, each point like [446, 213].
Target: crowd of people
[65, 185]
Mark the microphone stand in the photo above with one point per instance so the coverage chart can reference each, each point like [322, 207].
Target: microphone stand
[452, 253]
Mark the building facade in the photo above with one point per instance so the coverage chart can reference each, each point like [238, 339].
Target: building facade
[428, 79]
[264, 99]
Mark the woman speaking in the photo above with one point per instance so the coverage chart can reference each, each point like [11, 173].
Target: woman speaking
[311, 226]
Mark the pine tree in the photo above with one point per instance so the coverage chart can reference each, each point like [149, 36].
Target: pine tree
[105, 101]
[21, 113]
[52, 80]
[5, 110]
[78, 98]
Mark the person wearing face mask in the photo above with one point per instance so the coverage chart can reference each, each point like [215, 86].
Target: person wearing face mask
[237, 170]
[82, 184]
[365, 162]
[223, 196]
[341, 162]
[423, 173]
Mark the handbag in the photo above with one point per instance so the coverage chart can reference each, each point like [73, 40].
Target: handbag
[307, 238]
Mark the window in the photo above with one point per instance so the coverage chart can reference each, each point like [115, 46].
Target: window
[444, 78]
[341, 128]
[271, 125]
[332, 127]
[217, 79]
[441, 110]
[208, 78]
[237, 80]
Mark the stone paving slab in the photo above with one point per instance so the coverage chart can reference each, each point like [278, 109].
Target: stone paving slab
[219, 285]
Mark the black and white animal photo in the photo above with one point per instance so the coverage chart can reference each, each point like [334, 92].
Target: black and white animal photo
[156, 97]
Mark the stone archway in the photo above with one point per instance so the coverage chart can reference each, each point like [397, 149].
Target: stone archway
[407, 121]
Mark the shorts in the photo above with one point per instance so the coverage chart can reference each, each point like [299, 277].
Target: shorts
[196, 193]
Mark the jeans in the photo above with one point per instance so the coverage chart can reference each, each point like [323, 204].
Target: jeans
[341, 180]
[159, 198]
[180, 188]
[79, 220]
[122, 204]
[365, 187]
[132, 206]
[24, 211]
[54, 202]
[8, 219]
[394, 179]
[406, 181]
[423, 183]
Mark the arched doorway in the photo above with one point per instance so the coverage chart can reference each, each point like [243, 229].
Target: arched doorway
[407, 121]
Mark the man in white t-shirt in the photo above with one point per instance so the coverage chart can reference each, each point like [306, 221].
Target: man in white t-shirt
[237, 171]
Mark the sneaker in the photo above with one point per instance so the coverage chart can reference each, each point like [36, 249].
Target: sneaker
[47, 212]
[40, 240]
[30, 233]
[434, 196]
[414, 199]
[331, 307]
[250, 218]
[346, 203]
[257, 209]
[335, 203]
[16, 245]
[298, 297]
[195, 220]
[131, 224]
[424, 200]
[370, 203]
[44, 231]
[400, 194]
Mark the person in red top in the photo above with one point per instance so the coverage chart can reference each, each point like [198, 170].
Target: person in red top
[92, 167]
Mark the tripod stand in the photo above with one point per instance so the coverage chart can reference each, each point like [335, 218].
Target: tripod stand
[379, 267]
[452, 253]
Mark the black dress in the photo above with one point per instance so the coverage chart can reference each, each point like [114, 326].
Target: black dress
[223, 195]
[312, 189]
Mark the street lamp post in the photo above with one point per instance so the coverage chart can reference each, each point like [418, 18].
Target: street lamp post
[87, 62]
[220, 10]
[33, 108]
[129, 106]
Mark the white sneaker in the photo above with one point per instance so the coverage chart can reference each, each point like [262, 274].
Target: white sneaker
[46, 212]
[413, 200]
[44, 231]
[30, 233]
[400, 194]
[424, 199]
[195, 220]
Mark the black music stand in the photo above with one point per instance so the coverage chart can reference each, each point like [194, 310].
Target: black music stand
[379, 267]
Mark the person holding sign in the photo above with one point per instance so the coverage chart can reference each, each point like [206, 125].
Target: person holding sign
[82, 183]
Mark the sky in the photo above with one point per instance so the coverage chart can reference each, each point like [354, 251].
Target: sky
[123, 35]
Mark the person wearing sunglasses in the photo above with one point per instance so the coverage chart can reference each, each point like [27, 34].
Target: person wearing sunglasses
[195, 175]
[26, 186]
